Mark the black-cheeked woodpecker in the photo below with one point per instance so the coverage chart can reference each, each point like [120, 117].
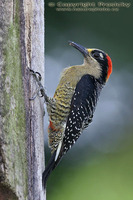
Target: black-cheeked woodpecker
[74, 102]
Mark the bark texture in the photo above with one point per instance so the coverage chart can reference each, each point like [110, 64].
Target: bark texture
[21, 121]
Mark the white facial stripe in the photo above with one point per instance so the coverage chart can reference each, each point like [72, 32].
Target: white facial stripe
[101, 55]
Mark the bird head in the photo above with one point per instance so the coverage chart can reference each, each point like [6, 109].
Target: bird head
[98, 62]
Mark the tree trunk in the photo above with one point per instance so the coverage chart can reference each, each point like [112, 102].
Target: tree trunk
[21, 120]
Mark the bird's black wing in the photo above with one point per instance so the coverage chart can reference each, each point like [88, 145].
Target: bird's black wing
[83, 105]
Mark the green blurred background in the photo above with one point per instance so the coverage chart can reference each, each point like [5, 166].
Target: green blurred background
[100, 164]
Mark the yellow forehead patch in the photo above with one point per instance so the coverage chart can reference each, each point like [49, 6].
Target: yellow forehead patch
[90, 50]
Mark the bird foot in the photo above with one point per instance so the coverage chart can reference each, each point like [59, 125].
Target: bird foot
[40, 90]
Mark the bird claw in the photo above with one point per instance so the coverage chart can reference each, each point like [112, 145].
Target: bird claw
[35, 95]
[36, 74]
[40, 89]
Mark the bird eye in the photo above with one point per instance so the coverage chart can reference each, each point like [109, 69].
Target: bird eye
[97, 55]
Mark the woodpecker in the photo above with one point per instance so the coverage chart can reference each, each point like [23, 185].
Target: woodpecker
[71, 109]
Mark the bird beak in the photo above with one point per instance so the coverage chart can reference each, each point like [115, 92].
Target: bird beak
[82, 49]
